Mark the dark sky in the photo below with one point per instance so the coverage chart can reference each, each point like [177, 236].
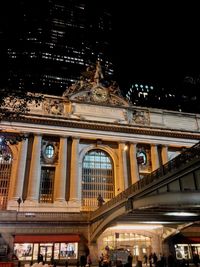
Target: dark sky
[158, 44]
[154, 42]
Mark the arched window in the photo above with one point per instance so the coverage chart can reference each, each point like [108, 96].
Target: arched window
[5, 174]
[97, 178]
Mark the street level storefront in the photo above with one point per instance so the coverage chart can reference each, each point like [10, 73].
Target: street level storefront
[52, 247]
[139, 239]
[188, 249]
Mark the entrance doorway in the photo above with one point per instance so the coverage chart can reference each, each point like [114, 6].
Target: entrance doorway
[47, 251]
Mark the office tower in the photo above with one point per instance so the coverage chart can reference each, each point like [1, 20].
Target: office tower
[47, 44]
[183, 99]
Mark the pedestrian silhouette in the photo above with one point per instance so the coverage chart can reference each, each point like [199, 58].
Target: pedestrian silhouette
[100, 200]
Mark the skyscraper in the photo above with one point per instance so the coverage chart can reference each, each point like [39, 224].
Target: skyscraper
[184, 99]
[47, 44]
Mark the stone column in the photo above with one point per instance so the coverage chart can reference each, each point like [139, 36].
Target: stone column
[75, 183]
[154, 157]
[20, 173]
[35, 170]
[93, 248]
[61, 169]
[123, 175]
[164, 154]
[133, 164]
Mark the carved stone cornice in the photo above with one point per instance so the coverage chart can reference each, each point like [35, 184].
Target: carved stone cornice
[106, 126]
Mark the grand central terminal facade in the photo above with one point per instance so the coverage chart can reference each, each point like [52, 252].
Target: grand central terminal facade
[89, 142]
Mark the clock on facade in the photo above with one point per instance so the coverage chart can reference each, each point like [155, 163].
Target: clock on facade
[99, 94]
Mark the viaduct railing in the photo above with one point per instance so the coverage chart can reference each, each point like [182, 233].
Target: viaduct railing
[185, 157]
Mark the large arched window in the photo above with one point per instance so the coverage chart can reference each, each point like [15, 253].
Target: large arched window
[5, 174]
[97, 178]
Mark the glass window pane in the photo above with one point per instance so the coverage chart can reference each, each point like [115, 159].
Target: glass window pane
[49, 151]
[97, 178]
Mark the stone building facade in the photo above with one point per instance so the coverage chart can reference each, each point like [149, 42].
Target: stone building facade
[87, 143]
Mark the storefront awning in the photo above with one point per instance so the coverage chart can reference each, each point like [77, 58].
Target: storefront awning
[46, 238]
[194, 239]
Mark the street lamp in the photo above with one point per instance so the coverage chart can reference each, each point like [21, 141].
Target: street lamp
[19, 201]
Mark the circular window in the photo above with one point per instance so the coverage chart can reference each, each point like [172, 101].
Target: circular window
[49, 151]
[141, 157]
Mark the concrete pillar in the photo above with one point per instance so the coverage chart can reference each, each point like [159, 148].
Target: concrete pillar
[133, 164]
[35, 170]
[123, 175]
[164, 154]
[75, 184]
[93, 248]
[154, 157]
[61, 170]
[20, 172]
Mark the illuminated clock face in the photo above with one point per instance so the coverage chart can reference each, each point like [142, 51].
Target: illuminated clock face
[99, 94]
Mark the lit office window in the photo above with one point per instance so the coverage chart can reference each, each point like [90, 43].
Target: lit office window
[97, 178]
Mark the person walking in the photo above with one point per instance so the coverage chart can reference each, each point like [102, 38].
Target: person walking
[83, 260]
[89, 261]
[145, 259]
[130, 260]
[40, 258]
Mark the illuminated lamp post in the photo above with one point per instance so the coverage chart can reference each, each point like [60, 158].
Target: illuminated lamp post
[19, 201]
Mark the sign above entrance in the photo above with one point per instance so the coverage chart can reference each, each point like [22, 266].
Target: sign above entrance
[46, 238]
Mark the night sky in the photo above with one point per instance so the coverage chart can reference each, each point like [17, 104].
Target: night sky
[157, 44]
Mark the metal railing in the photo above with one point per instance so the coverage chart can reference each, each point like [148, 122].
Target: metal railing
[185, 157]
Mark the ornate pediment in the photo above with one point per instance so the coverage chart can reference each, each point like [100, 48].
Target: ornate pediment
[93, 88]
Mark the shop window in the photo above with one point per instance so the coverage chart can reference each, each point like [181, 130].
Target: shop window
[47, 184]
[23, 251]
[68, 250]
[57, 251]
[183, 251]
[97, 178]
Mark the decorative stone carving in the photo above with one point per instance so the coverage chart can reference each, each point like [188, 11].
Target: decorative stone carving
[141, 117]
[53, 107]
[93, 88]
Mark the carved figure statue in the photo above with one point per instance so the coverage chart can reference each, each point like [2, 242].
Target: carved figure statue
[98, 74]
